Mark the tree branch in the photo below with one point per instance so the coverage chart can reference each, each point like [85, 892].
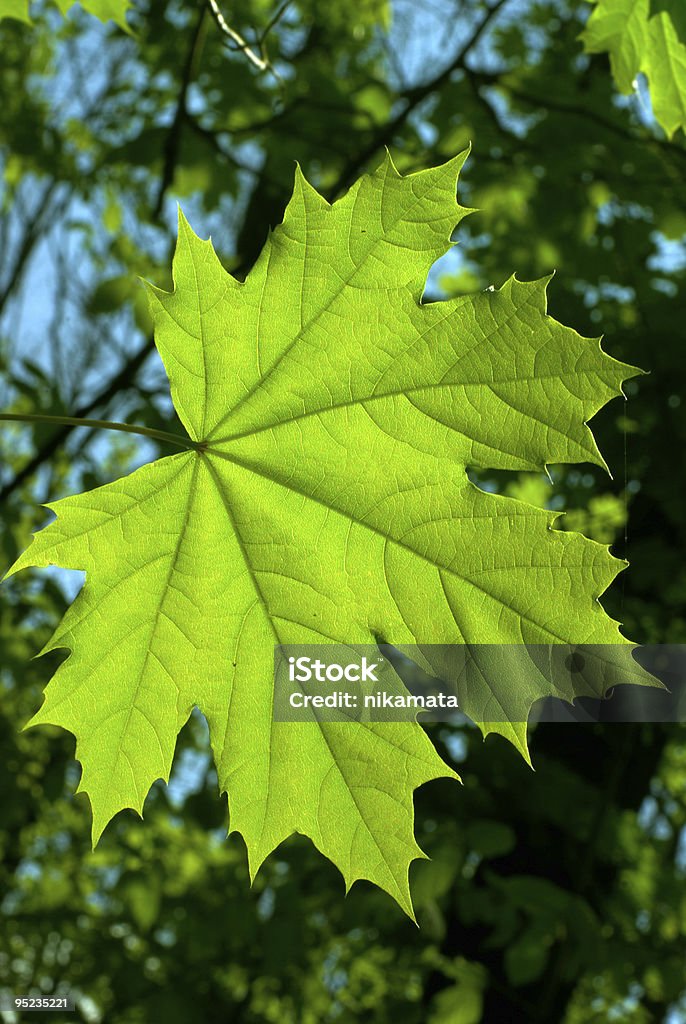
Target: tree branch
[117, 384]
[413, 98]
[31, 236]
[235, 37]
[124, 377]
[173, 142]
[274, 20]
[573, 110]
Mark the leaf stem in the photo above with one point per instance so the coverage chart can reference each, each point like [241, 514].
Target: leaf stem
[75, 421]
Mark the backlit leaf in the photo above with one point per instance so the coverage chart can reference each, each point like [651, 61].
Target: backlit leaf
[328, 500]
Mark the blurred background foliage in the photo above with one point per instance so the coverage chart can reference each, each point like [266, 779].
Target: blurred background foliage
[554, 896]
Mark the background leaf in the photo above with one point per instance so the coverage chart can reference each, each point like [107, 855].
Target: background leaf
[640, 36]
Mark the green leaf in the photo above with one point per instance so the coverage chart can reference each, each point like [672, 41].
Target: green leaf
[18, 9]
[328, 501]
[641, 37]
[461, 1003]
[526, 958]
[105, 10]
[676, 9]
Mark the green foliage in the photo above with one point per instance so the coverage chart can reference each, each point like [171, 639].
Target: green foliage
[328, 500]
[564, 177]
[105, 10]
[641, 36]
[18, 9]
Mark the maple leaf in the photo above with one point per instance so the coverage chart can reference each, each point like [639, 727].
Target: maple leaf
[17, 9]
[105, 10]
[646, 36]
[327, 499]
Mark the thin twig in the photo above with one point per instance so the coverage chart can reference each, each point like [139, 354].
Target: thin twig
[238, 39]
[274, 20]
[413, 98]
